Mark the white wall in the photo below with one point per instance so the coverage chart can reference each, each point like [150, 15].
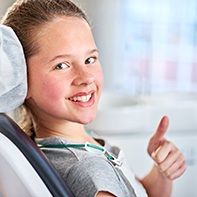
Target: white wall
[4, 4]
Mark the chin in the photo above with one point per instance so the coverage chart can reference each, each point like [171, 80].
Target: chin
[88, 120]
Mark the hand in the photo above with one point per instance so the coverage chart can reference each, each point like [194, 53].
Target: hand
[167, 156]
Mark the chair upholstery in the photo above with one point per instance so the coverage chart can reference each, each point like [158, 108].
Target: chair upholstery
[25, 166]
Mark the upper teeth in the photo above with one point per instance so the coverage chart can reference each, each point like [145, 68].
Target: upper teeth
[81, 98]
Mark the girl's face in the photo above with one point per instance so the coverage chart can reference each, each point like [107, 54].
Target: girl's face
[65, 76]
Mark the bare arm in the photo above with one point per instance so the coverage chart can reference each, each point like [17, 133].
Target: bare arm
[169, 163]
[104, 194]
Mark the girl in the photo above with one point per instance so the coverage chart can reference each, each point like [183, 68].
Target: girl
[64, 86]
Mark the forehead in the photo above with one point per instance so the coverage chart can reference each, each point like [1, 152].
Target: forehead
[63, 25]
[64, 34]
[66, 27]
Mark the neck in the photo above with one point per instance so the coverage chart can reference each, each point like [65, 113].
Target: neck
[71, 131]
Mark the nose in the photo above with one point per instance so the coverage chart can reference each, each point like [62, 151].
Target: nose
[83, 77]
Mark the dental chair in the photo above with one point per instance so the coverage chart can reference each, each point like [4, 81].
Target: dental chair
[24, 170]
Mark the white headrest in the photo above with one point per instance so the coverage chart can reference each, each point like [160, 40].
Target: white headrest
[13, 73]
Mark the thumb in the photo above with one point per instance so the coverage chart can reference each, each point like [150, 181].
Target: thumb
[158, 136]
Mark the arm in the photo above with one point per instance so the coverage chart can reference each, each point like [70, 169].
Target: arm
[169, 163]
[104, 194]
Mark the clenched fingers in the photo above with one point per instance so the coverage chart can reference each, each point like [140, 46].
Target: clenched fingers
[169, 160]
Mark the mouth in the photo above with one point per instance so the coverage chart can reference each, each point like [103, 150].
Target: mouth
[83, 99]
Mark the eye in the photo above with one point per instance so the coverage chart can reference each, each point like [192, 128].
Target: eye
[90, 60]
[61, 66]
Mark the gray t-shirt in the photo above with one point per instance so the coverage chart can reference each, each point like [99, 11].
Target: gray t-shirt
[85, 172]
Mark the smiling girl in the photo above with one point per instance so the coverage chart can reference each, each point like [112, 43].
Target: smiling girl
[65, 81]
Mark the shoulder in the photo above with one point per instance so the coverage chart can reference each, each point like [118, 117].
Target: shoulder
[89, 176]
[94, 166]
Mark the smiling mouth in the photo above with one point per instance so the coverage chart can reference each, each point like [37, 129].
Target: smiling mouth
[82, 99]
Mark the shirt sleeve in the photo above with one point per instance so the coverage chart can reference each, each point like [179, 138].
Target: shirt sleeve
[89, 176]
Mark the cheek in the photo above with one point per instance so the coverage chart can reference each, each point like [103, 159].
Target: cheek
[100, 78]
[53, 90]
[46, 89]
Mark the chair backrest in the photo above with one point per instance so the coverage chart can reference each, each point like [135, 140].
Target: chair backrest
[24, 170]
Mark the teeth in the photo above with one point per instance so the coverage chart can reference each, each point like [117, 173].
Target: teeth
[81, 98]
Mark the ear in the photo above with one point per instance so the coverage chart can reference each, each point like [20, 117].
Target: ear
[28, 95]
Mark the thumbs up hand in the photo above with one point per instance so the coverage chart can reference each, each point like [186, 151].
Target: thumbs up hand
[166, 155]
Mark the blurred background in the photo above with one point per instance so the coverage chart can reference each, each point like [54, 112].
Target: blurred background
[146, 46]
[148, 54]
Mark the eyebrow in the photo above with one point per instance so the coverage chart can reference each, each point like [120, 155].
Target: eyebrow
[68, 55]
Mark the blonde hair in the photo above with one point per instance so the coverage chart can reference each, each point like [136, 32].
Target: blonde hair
[26, 17]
